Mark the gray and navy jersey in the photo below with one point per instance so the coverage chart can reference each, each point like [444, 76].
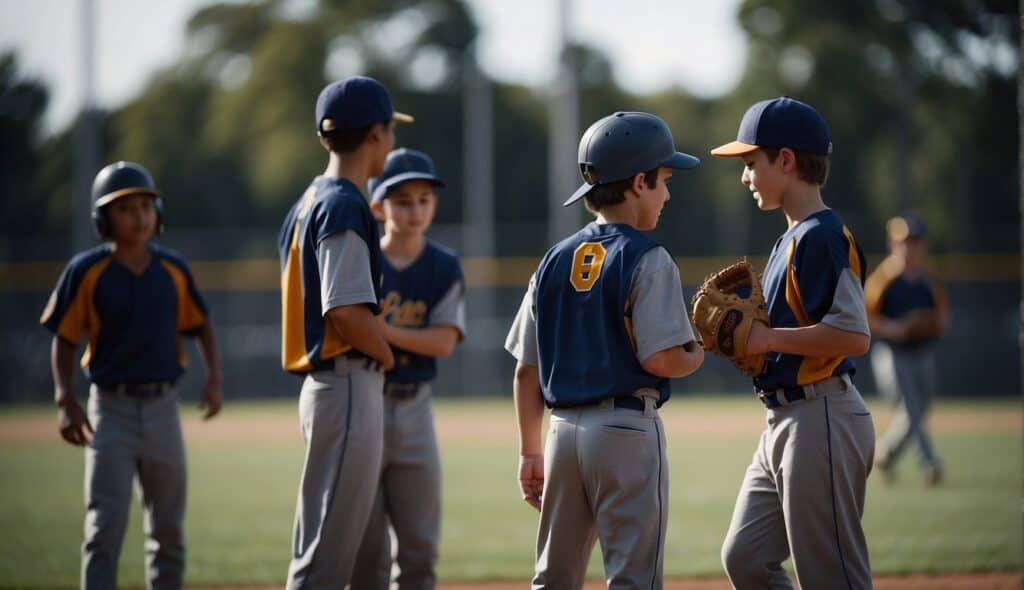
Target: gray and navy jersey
[815, 274]
[331, 215]
[134, 322]
[602, 302]
[428, 292]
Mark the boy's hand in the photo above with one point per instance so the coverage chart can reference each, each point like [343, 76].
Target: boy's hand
[212, 398]
[73, 423]
[759, 340]
[531, 479]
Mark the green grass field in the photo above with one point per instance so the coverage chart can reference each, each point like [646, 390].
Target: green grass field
[244, 468]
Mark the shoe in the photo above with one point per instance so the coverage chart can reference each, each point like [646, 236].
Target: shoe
[932, 476]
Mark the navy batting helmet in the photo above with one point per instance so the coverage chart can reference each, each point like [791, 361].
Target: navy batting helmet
[117, 180]
[624, 144]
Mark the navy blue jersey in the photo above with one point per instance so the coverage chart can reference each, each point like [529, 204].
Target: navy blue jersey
[410, 296]
[133, 322]
[585, 345]
[329, 206]
[889, 292]
[800, 286]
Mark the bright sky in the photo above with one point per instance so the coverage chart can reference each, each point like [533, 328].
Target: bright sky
[652, 44]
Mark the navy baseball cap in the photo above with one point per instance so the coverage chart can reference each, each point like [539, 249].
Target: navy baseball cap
[779, 123]
[354, 103]
[906, 226]
[624, 144]
[403, 165]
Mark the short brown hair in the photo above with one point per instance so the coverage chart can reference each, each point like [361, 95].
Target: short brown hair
[343, 141]
[613, 193]
[810, 167]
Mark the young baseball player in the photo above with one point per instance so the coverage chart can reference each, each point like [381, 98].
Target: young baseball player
[332, 333]
[424, 307]
[908, 311]
[803, 493]
[601, 329]
[134, 300]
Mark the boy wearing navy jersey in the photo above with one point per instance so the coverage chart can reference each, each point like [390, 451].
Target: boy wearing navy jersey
[908, 312]
[134, 300]
[601, 329]
[424, 307]
[332, 334]
[803, 493]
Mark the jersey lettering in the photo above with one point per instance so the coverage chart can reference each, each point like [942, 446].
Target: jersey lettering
[586, 265]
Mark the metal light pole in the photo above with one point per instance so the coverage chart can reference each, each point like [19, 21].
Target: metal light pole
[563, 135]
[87, 138]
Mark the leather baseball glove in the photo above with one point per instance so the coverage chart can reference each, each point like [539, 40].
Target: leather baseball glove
[724, 311]
[922, 325]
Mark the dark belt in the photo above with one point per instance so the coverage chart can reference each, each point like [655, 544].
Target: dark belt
[400, 391]
[785, 396]
[150, 390]
[366, 362]
[629, 402]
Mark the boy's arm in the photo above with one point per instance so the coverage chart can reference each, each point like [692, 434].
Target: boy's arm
[436, 341]
[364, 331]
[678, 361]
[529, 415]
[347, 291]
[665, 344]
[818, 340]
[212, 397]
[522, 344]
[446, 325]
[71, 418]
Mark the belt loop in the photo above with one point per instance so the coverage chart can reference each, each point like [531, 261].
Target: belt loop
[780, 396]
[649, 405]
[810, 391]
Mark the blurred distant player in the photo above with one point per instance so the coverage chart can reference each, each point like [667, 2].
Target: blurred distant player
[134, 300]
[908, 312]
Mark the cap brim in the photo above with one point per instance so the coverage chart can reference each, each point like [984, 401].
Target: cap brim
[681, 161]
[381, 191]
[734, 148]
[579, 194]
[402, 117]
[124, 192]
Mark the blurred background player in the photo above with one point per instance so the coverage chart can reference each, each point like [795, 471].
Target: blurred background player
[332, 333]
[803, 493]
[134, 300]
[600, 331]
[908, 312]
[424, 307]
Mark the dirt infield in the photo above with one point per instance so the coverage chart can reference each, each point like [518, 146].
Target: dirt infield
[979, 581]
[281, 424]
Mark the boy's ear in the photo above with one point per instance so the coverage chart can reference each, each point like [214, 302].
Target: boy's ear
[323, 141]
[637, 185]
[377, 208]
[787, 159]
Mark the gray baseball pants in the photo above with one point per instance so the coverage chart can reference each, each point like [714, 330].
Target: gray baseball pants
[803, 495]
[605, 478]
[340, 415]
[906, 376]
[408, 499]
[140, 440]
